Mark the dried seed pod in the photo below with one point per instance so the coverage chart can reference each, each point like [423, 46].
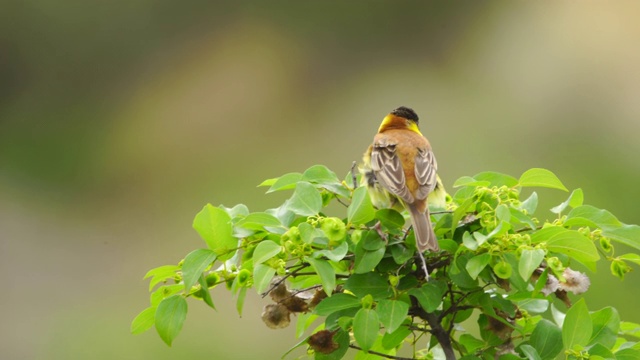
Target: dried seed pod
[276, 316]
[323, 342]
[295, 304]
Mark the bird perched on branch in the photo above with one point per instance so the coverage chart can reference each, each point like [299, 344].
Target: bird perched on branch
[399, 170]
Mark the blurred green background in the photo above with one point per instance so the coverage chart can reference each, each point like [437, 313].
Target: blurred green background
[119, 120]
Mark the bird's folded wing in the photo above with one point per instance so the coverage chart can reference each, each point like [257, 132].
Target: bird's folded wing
[389, 172]
[425, 170]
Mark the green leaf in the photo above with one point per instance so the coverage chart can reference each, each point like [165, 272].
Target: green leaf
[336, 254]
[164, 292]
[214, 226]
[541, 282]
[529, 261]
[537, 306]
[371, 240]
[606, 323]
[460, 277]
[460, 213]
[569, 242]
[319, 174]
[476, 264]
[546, 338]
[522, 218]
[541, 178]
[239, 210]
[326, 272]
[204, 291]
[326, 179]
[265, 250]
[469, 241]
[371, 283]
[429, 296]
[627, 354]
[390, 218]
[284, 182]
[480, 237]
[516, 281]
[366, 261]
[194, 264]
[306, 200]
[304, 321]
[503, 213]
[600, 350]
[144, 321]
[470, 343]
[469, 181]
[626, 234]
[170, 316]
[629, 328]
[360, 210]
[259, 221]
[401, 254]
[392, 313]
[587, 215]
[311, 235]
[394, 339]
[496, 179]
[242, 294]
[634, 258]
[502, 228]
[575, 199]
[530, 352]
[558, 316]
[531, 204]
[268, 182]
[577, 326]
[160, 274]
[335, 303]
[262, 275]
[297, 345]
[365, 328]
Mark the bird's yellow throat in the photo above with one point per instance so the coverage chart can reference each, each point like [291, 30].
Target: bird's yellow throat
[396, 122]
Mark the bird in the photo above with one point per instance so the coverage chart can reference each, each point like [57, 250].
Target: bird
[399, 170]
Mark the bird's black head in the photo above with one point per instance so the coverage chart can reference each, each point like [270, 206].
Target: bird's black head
[406, 113]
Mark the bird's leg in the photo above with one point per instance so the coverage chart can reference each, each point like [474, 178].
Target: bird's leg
[424, 263]
[424, 266]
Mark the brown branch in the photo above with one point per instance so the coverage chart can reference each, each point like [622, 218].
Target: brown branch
[381, 354]
[436, 328]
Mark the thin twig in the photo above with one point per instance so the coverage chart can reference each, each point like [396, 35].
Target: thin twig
[341, 202]
[303, 290]
[280, 281]
[338, 276]
[528, 229]
[353, 174]
[381, 354]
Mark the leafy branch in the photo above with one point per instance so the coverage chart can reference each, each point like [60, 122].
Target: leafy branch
[359, 271]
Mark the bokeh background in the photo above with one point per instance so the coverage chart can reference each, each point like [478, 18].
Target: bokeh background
[119, 120]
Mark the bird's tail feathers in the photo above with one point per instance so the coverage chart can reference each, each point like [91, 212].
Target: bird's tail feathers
[425, 237]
